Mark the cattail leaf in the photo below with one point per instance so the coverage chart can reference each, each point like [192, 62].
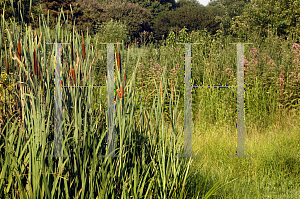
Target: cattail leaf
[39, 72]
[125, 80]
[24, 63]
[90, 70]
[7, 67]
[161, 92]
[72, 51]
[172, 89]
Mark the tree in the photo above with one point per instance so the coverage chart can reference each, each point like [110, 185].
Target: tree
[110, 31]
[182, 3]
[193, 16]
[136, 18]
[156, 6]
[85, 12]
[281, 14]
[232, 8]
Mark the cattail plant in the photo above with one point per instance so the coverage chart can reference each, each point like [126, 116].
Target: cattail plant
[39, 72]
[120, 94]
[19, 52]
[35, 64]
[83, 46]
[118, 59]
[78, 125]
[72, 57]
[121, 91]
[24, 61]
[118, 56]
[90, 69]
[73, 75]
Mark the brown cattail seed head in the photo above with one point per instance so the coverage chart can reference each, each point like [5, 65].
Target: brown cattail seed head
[19, 52]
[83, 46]
[121, 91]
[19, 48]
[83, 51]
[119, 94]
[35, 66]
[118, 59]
[73, 74]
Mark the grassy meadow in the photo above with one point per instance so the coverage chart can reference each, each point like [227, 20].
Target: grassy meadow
[149, 117]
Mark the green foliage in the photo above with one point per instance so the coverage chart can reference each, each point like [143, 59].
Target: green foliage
[211, 23]
[156, 7]
[283, 15]
[183, 36]
[111, 31]
[182, 3]
[171, 40]
[6, 88]
[196, 17]
[136, 18]
[54, 8]
[85, 12]
[231, 9]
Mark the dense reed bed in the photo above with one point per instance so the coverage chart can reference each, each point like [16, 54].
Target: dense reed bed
[149, 116]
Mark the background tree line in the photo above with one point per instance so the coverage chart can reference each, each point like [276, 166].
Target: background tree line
[135, 19]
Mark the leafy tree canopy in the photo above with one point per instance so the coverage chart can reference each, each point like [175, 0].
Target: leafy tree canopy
[231, 8]
[136, 18]
[281, 14]
[191, 15]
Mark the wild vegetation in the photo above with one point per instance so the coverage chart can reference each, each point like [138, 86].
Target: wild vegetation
[149, 110]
